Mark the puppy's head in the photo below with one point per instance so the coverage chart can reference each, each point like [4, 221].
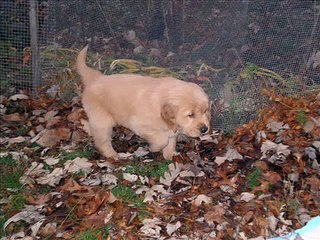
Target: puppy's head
[188, 111]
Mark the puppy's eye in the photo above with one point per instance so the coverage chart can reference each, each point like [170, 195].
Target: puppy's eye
[191, 115]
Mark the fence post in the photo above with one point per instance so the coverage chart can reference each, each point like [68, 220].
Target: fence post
[34, 45]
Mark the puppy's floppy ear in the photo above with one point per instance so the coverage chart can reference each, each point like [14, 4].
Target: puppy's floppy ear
[168, 114]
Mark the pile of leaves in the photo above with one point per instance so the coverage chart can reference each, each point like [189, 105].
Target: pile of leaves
[259, 182]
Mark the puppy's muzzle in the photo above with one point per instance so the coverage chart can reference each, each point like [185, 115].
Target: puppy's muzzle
[204, 129]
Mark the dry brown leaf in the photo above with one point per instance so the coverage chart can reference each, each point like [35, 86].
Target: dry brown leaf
[76, 115]
[39, 199]
[71, 186]
[49, 138]
[215, 215]
[14, 117]
[93, 202]
[272, 177]
[95, 220]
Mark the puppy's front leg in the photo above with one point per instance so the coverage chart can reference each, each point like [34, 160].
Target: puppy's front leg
[170, 149]
[157, 141]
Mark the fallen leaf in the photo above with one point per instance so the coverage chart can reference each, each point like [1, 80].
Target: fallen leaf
[277, 126]
[53, 178]
[76, 115]
[160, 188]
[149, 193]
[186, 173]
[216, 215]
[49, 115]
[130, 177]
[18, 97]
[77, 164]
[151, 228]
[272, 222]
[33, 172]
[49, 138]
[19, 139]
[247, 197]
[274, 152]
[109, 179]
[39, 199]
[171, 174]
[201, 199]
[171, 228]
[125, 155]
[49, 229]
[71, 186]
[51, 161]
[29, 214]
[140, 152]
[272, 177]
[233, 154]
[220, 160]
[316, 144]
[14, 117]
[92, 180]
[35, 228]
[308, 126]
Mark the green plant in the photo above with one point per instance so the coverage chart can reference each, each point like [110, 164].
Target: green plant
[94, 234]
[154, 169]
[88, 234]
[22, 130]
[78, 174]
[293, 204]
[10, 173]
[301, 117]
[86, 153]
[253, 178]
[252, 71]
[134, 66]
[2, 222]
[128, 196]
[17, 202]
[230, 132]
[43, 189]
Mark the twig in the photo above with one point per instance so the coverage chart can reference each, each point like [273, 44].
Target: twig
[183, 20]
[166, 29]
[36, 73]
[313, 32]
[105, 17]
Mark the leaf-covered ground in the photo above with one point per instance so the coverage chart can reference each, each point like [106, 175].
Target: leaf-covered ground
[258, 182]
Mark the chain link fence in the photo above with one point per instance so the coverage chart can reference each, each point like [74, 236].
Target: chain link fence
[16, 63]
[233, 49]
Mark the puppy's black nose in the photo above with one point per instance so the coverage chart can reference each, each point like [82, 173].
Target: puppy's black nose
[203, 129]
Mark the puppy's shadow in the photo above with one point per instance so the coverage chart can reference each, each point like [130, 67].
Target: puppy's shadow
[124, 140]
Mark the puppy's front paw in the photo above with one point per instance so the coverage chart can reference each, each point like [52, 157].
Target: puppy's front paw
[167, 155]
[111, 154]
[155, 147]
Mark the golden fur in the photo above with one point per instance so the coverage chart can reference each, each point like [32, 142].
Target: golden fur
[156, 109]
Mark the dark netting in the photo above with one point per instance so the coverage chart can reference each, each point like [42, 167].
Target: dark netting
[233, 49]
[15, 42]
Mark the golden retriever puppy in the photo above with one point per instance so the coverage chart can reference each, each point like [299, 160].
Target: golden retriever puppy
[156, 109]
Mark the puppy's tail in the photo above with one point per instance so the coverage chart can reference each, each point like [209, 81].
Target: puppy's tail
[87, 74]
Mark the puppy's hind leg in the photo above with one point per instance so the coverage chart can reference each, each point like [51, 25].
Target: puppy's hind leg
[101, 130]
